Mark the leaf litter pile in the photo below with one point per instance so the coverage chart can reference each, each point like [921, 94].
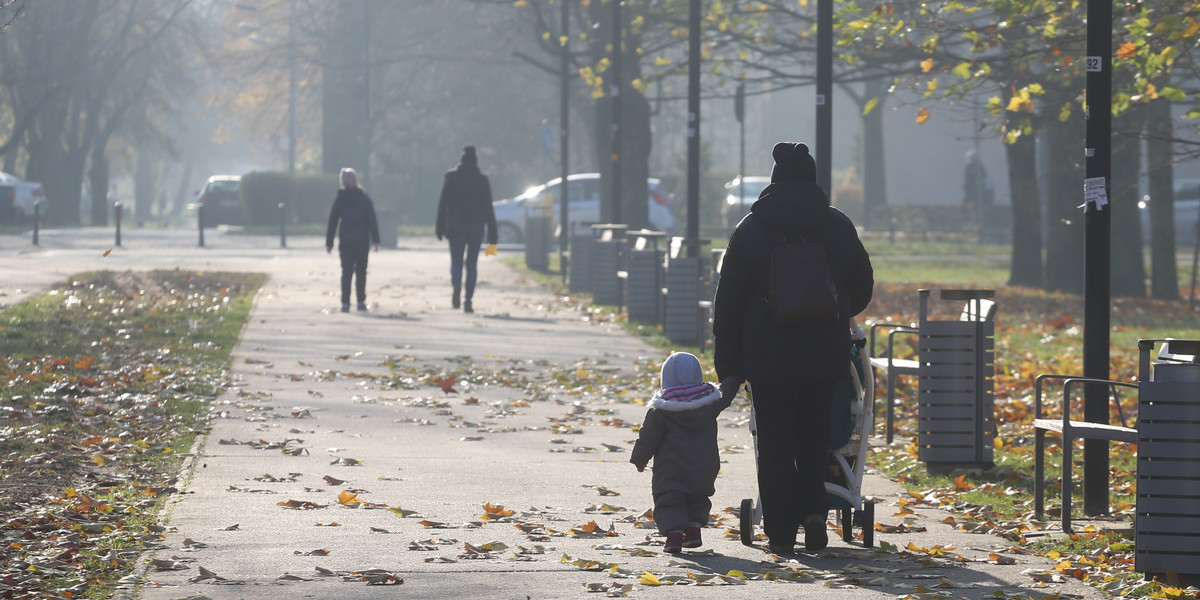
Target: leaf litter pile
[106, 382]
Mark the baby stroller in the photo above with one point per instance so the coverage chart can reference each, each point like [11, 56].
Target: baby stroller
[852, 421]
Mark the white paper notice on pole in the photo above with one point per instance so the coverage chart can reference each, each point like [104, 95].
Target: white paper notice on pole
[1094, 192]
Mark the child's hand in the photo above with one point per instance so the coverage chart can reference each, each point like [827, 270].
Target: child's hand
[640, 468]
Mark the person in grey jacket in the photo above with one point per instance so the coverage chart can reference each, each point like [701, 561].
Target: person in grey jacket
[354, 211]
[680, 434]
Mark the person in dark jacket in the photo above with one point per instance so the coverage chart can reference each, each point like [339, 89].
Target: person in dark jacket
[464, 211]
[791, 369]
[680, 434]
[358, 231]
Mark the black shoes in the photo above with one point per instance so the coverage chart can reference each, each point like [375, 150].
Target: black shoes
[345, 307]
[454, 301]
[467, 307]
[362, 306]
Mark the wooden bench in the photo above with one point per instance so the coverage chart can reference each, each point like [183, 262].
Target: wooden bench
[1071, 430]
[892, 367]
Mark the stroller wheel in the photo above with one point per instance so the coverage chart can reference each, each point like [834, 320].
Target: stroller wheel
[847, 525]
[868, 523]
[746, 521]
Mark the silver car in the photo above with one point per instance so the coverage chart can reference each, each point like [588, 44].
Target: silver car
[1187, 212]
[739, 198]
[584, 195]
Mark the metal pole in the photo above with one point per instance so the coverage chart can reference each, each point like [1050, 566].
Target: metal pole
[564, 136]
[200, 222]
[740, 113]
[37, 217]
[693, 131]
[1195, 259]
[366, 167]
[825, 95]
[117, 216]
[614, 215]
[291, 123]
[1098, 224]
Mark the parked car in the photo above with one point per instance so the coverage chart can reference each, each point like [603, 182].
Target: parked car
[27, 194]
[8, 211]
[218, 200]
[584, 196]
[739, 198]
[1187, 212]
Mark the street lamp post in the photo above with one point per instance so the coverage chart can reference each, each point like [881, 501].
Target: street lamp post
[615, 90]
[564, 135]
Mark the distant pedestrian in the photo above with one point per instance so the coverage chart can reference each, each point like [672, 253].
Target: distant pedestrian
[464, 211]
[359, 230]
[680, 433]
[792, 369]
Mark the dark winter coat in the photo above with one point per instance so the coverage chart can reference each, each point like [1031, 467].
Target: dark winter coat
[747, 343]
[681, 436]
[466, 199]
[356, 213]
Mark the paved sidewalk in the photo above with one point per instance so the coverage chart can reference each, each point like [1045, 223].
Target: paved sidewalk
[513, 482]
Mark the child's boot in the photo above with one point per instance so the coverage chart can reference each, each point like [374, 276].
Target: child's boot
[691, 536]
[674, 543]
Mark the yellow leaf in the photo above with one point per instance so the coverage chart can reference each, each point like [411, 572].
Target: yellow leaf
[348, 498]
[649, 578]
[1151, 91]
[1127, 50]
[998, 443]
[922, 116]
[904, 510]
[491, 250]
[961, 483]
[99, 459]
[107, 252]
[520, 4]
[926, 65]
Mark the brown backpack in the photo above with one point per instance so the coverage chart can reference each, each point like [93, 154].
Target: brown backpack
[801, 289]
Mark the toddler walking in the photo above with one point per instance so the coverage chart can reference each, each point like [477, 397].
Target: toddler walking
[680, 433]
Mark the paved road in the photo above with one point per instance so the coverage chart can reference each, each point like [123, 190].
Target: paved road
[326, 405]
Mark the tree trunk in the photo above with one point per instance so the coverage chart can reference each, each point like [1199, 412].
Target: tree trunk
[1164, 278]
[1026, 267]
[343, 113]
[874, 178]
[1064, 173]
[1128, 268]
[98, 178]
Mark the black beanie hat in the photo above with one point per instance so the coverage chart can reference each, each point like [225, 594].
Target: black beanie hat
[793, 163]
[468, 156]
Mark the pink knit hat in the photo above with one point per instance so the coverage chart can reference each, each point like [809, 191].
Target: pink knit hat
[349, 178]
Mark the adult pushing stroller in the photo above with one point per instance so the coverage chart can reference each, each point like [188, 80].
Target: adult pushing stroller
[852, 419]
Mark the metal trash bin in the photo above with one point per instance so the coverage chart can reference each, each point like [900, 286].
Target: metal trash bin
[606, 261]
[538, 217]
[580, 258]
[388, 222]
[956, 417]
[1167, 528]
[684, 280]
[643, 264]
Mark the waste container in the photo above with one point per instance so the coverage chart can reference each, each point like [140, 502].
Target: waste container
[607, 240]
[388, 223]
[643, 284]
[538, 217]
[580, 258]
[681, 318]
[1167, 528]
[956, 424]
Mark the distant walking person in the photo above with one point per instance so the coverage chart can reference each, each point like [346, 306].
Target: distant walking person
[464, 211]
[359, 230]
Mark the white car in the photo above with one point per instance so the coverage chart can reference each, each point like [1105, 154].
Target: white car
[1187, 212]
[28, 194]
[584, 195]
[739, 198]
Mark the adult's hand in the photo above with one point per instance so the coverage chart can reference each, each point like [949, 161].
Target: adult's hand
[730, 386]
[328, 249]
[377, 247]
